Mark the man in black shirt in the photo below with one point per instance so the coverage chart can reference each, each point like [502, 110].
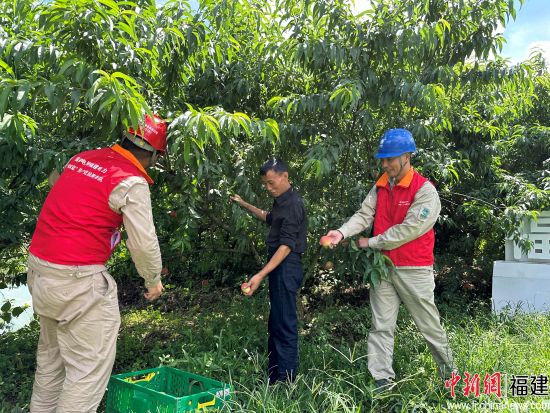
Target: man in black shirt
[286, 242]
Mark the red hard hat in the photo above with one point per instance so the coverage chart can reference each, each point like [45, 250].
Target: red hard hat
[153, 132]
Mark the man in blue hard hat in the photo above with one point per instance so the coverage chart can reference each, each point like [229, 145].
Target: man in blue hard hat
[402, 208]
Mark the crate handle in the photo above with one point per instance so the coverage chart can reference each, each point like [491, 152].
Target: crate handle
[192, 383]
[206, 404]
[141, 377]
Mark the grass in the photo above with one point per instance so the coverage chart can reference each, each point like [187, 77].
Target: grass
[221, 334]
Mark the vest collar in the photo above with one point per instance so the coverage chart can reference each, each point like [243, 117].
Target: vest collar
[128, 155]
[404, 183]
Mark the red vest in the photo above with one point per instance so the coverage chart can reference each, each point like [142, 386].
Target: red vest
[391, 207]
[76, 226]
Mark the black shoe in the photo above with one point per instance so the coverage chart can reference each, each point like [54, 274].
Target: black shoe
[281, 379]
[383, 385]
[450, 376]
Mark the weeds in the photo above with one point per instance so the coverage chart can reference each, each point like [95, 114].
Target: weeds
[226, 339]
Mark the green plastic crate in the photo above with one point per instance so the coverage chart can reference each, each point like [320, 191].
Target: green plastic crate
[165, 390]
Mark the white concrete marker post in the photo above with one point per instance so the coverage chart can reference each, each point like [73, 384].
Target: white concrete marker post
[522, 281]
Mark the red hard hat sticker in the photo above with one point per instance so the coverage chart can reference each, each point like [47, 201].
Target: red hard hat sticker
[153, 132]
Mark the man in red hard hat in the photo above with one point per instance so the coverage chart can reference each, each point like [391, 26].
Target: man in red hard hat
[72, 292]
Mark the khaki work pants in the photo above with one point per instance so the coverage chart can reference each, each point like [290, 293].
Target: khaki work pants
[79, 322]
[415, 288]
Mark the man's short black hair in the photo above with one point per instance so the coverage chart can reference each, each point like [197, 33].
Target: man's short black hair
[275, 165]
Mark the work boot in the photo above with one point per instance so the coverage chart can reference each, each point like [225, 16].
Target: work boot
[383, 385]
[449, 377]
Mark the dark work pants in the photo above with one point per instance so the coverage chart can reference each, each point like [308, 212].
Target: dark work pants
[284, 282]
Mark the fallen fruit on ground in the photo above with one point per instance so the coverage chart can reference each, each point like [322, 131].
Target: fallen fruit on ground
[329, 265]
[468, 286]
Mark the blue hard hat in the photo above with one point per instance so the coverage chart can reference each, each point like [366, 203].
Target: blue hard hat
[395, 142]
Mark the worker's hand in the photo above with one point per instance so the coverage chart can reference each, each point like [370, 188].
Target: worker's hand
[237, 199]
[154, 292]
[53, 177]
[336, 236]
[254, 283]
[363, 242]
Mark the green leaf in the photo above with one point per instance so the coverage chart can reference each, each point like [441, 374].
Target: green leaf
[388, 261]
[6, 67]
[6, 307]
[17, 311]
[114, 117]
[22, 95]
[126, 28]
[375, 278]
[108, 98]
[111, 4]
[4, 98]
[68, 63]
[97, 97]
[186, 151]
[75, 98]
[127, 79]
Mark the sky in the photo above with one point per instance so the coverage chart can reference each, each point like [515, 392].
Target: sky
[530, 31]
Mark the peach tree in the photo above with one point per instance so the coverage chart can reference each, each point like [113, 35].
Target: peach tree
[315, 83]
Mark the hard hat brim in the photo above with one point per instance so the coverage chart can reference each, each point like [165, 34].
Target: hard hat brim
[380, 155]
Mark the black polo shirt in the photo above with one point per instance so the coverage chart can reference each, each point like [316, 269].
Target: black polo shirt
[287, 220]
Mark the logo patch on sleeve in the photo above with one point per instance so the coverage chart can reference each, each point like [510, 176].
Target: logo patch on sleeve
[425, 213]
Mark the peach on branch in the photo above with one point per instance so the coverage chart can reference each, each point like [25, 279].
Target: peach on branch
[326, 241]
